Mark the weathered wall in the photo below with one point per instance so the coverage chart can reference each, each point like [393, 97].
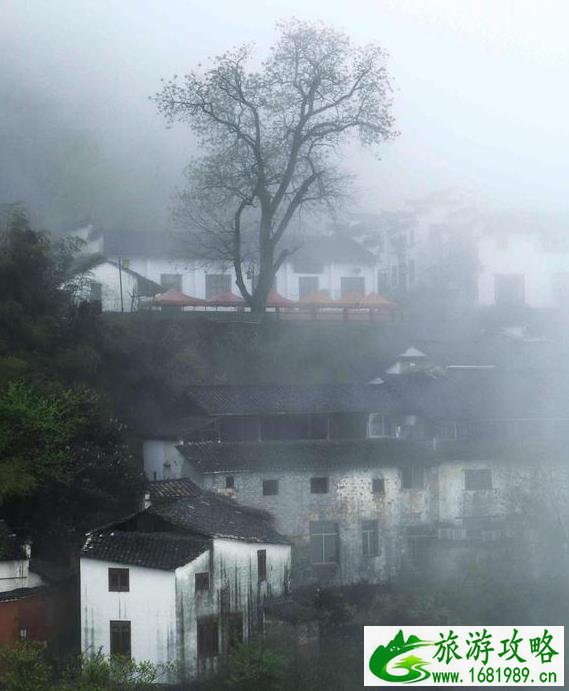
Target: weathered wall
[163, 461]
[16, 574]
[150, 606]
[234, 587]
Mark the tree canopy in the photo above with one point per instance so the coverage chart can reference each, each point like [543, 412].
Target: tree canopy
[270, 140]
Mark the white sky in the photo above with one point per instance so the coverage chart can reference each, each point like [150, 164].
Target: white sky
[482, 85]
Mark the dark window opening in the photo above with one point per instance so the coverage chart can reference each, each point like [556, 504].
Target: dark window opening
[319, 485]
[262, 564]
[216, 284]
[208, 637]
[370, 539]
[239, 428]
[323, 542]
[348, 426]
[350, 285]
[412, 477]
[95, 291]
[119, 580]
[229, 482]
[378, 485]
[307, 285]
[171, 281]
[202, 581]
[270, 487]
[120, 638]
[478, 479]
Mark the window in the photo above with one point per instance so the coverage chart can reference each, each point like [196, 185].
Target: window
[229, 482]
[171, 281]
[370, 539]
[376, 426]
[95, 291]
[318, 485]
[202, 581]
[119, 580]
[215, 284]
[412, 477]
[352, 284]
[234, 630]
[446, 430]
[378, 485]
[478, 479]
[509, 289]
[394, 277]
[262, 564]
[120, 638]
[323, 542]
[270, 487]
[307, 285]
[208, 637]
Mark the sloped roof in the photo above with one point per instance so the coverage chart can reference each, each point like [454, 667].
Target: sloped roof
[176, 298]
[212, 516]
[138, 243]
[168, 490]
[157, 550]
[273, 399]
[328, 248]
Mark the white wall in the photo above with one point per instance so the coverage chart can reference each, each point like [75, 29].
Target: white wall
[107, 275]
[150, 606]
[522, 253]
[163, 459]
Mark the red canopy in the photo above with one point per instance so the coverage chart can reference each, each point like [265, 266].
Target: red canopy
[226, 300]
[319, 297]
[351, 300]
[378, 301]
[176, 298]
[275, 299]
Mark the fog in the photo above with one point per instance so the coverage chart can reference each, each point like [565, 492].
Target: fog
[481, 100]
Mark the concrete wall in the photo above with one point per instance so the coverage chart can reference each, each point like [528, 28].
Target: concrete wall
[162, 460]
[16, 574]
[525, 254]
[107, 275]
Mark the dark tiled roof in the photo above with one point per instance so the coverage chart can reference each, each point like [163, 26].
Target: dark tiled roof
[213, 457]
[167, 490]
[10, 547]
[328, 248]
[216, 516]
[22, 593]
[176, 428]
[271, 399]
[137, 243]
[165, 551]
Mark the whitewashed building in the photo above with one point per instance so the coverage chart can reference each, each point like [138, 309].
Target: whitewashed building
[180, 582]
[335, 265]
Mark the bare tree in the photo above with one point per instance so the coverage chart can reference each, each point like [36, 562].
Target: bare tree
[270, 138]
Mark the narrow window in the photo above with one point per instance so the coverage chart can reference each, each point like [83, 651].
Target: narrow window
[376, 426]
[208, 637]
[202, 581]
[412, 477]
[307, 285]
[120, 638]
[352, 285]
[370, 539]
[324, 542]
[119, 581]
[262, 564]
[318, 485]
[378, 485]
[229, 482]
[270, 487]
[478, 479]
[216, 284]
[171, 281]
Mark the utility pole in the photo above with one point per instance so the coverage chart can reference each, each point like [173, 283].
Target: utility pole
[120, 283]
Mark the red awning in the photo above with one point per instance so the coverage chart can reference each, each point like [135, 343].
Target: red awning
[226, 300]
[275, 299]
[319, 298]
[378, 301]
[175, 298]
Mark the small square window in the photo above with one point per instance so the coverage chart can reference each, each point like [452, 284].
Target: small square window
[262, 564]
[319, 485]
[370, 539]
[378, 485]
[413, 477]
[229, 482]
[202, 581]
[119, 581]
[478, 479]
[270, 487]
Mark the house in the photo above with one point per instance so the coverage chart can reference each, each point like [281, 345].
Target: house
[371, 480]
[524, 261]
[36, 598]
[335, 265]
[181, 581]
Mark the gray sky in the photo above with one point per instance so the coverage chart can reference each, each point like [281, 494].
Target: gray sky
[481, 100]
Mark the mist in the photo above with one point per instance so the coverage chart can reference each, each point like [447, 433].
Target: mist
[479, 99]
